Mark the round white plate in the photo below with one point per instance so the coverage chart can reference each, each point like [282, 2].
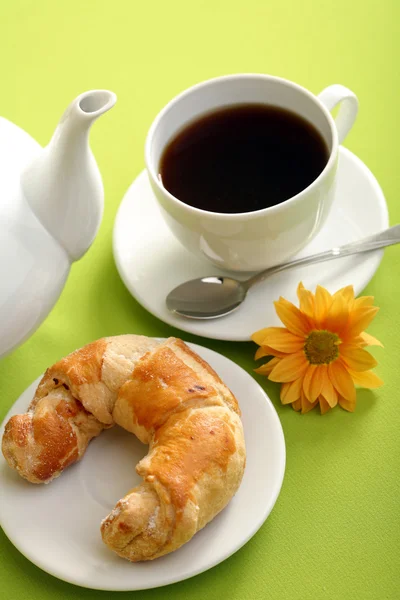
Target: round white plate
[151, 262]
[57, 526]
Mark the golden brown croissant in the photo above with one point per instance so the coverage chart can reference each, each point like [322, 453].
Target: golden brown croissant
[169, 397]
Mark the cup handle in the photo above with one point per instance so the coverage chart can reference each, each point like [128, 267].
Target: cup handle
[335, 94]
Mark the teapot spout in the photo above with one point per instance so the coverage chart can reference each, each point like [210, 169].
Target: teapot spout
[62, 185]
[95, 103]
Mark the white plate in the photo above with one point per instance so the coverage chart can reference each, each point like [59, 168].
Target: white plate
[57, 526]
[151, 262]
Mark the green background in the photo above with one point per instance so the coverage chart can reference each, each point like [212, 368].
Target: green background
[335, 530]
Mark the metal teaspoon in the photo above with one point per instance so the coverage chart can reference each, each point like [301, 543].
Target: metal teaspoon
[215, 296]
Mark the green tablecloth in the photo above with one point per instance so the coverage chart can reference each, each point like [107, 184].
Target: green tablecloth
[335, 530]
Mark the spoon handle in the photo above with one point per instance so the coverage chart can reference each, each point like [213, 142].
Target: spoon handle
[388, 237]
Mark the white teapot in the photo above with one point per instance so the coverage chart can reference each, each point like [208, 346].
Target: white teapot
[51, 205]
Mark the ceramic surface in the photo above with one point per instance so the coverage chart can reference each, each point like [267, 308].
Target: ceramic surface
[50, 210]
[254, 240]
[152, 262]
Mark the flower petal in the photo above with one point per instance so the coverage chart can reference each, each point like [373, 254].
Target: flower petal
[306, 406]
[290, 392]
[300, 288]
[342, 380]
[366, 379]
[346, 404]
[289, 368]
[370, 340]
[284, 390]
[297, 405]
[363, 301]
[307, 301]
[259, 336]
[313, 381]
[323, 300]
[347, 293]
[358, 341]
[267, 367]
[261, 352]
[307, 379]
[328, 392]
[317, 382]
[357, 359]
[323, 404]
[292, 318]
[359, 320]
[268, 351]
[274, 352]
[282, 340]
[265, 350]
[338, 315]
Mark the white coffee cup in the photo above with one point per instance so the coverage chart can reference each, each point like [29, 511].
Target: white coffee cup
[254, 240]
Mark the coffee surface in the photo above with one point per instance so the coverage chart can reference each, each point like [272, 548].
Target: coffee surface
[242, 158]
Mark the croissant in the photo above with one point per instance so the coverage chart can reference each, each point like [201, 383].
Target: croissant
[171, 399]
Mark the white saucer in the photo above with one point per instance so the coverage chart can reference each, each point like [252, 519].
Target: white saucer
[57, 526]
[151, 262]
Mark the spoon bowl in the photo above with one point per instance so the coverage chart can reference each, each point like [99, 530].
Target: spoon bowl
[207, 297]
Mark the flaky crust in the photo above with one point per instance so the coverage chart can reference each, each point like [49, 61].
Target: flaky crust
[166, 395]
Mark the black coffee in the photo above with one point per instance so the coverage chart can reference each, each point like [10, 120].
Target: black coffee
[243, 158]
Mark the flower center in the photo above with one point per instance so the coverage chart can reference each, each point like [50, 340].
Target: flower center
[321, 347]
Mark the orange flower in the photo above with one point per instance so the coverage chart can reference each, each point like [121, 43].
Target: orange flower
[319, 355]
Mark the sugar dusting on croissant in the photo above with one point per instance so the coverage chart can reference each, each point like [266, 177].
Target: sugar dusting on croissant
[171, 399]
